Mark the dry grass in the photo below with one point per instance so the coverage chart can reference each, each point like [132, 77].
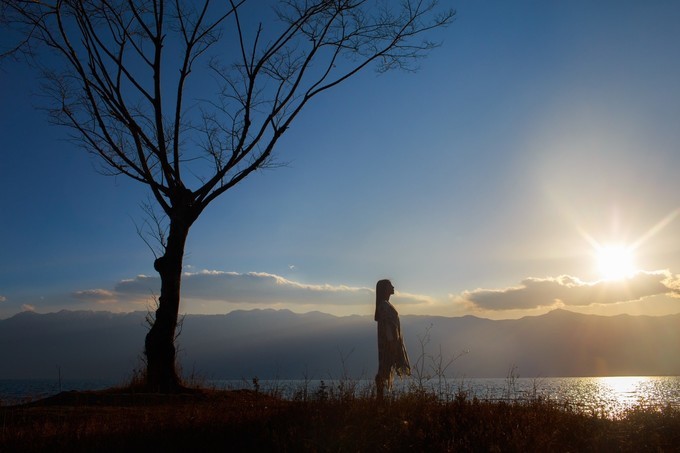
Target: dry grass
[210, 420]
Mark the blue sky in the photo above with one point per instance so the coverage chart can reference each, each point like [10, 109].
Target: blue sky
[482, 184]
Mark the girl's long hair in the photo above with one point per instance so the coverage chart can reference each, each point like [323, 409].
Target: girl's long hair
[380, 294]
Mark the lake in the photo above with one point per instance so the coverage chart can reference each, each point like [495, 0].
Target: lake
[606, 395]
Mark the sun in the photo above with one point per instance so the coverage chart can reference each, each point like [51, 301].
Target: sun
[615, 262]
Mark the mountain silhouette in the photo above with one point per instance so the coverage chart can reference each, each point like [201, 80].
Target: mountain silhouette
[281, 344]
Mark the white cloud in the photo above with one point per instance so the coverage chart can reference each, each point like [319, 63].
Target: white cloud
[100, 296]
[27, 307]
[570, 291]
[259, 288]
[3, 298]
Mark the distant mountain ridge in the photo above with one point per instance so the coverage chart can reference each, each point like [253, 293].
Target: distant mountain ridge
[285, 345]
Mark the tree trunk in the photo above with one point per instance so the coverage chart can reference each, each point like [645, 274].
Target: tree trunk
[161, 372]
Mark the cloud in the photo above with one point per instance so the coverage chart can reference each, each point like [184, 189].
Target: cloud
[3, 298]
[570, 291]
[258, 288]
[27, 307]
[100, 296]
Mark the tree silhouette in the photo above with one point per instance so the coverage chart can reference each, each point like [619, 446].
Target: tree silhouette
[129, 79]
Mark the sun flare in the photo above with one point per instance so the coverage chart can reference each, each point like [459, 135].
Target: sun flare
[615, 262]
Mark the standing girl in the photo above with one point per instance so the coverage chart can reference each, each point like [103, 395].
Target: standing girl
[392, 356]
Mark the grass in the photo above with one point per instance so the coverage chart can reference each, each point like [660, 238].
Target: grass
[331, 418]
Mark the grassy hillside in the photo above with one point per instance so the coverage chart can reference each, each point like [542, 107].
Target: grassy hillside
[330, 419]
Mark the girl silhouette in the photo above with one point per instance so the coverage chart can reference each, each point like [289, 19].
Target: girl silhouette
[392, 356]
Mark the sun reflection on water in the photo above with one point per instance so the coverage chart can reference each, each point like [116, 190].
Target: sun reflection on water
[608, 396]
[625, 391]
[613, 395]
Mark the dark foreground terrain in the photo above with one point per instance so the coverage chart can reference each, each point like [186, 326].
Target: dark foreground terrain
[328, 420]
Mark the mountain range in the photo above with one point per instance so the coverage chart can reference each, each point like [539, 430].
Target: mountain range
[281, 344]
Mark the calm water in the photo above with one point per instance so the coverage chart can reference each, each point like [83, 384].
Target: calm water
[608, 395]
[13, 391]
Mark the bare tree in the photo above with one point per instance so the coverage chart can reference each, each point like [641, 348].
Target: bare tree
[118, 75]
